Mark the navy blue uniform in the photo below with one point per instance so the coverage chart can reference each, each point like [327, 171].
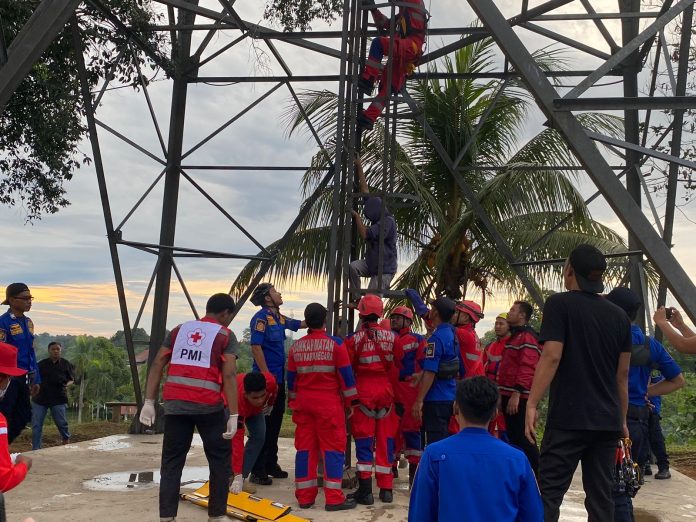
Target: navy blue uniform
[437, 405]
[19, 332]
[657, 438]
[475, 477]
[268, 331]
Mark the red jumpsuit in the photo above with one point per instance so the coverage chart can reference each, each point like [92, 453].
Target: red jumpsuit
[246, 410]
[374, 421]
[320, 383]
[10, 474]
[492, 356]
[409, 351]
[470, 348]
[411, 24]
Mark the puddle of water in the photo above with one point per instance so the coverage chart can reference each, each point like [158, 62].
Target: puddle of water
[110, 443]
[138, 480]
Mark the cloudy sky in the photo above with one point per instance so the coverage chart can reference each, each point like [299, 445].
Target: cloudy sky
[64, 257]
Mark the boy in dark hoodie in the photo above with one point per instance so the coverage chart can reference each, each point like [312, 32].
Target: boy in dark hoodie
[369, 267]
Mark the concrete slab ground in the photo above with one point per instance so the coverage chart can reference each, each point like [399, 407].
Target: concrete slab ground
[114, 479]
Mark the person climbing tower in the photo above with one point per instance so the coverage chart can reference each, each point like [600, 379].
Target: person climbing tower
[410, 29]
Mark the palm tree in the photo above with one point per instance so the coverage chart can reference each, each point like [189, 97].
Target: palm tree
[449, 250]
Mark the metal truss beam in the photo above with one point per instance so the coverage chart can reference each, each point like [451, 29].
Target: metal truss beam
[624, 103]
[33, 39]
[589, 156]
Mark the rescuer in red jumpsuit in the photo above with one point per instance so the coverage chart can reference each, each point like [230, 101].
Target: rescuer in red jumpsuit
[409, 351]
[492, 356]
[374, 422]
[410, 27]
[467, 314]
[320, 383]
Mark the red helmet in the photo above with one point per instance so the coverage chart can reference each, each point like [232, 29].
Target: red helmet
[371, 304]
[403, 310]
[472, 309]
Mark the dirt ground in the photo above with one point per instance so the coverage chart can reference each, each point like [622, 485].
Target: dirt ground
[78, 432]
[685, 462]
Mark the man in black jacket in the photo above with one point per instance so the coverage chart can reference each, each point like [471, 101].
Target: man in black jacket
[56, 374]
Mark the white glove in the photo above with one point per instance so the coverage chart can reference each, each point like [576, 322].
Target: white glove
[231, 426]
[267, 409]
[147, 414]
[237, 484]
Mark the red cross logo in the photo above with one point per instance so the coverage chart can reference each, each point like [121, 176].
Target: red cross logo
[195, 337]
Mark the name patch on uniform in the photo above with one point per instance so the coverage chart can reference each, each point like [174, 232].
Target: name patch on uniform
[260, 325]
[16, 329]
[430, 351]
[194, 343]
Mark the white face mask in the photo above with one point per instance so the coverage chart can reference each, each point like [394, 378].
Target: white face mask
[4, 390]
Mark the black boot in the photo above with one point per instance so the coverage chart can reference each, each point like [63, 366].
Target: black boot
[363, 495]
[348, 503]
[411, 473]
[386, 496]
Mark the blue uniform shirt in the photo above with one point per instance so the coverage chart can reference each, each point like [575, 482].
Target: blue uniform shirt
[268, 331]
[475, 477]
[639, 376]
[442, 346]
[19, 332]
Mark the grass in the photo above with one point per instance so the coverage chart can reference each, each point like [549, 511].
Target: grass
[78, 432]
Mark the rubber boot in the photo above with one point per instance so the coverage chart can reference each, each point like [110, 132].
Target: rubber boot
[363, 495]
[411, 473]
[386, 496]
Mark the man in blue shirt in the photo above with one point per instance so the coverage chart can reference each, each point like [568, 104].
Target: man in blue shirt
[268, 327]
[647, 354]
[18, 330]
[441, 366]
[472, 475]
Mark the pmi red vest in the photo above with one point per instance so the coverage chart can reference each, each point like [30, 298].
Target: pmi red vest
[195, 367]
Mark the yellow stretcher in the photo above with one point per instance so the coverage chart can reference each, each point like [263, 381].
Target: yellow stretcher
[246, 507]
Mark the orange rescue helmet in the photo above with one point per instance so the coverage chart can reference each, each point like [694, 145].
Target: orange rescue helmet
[371, 304]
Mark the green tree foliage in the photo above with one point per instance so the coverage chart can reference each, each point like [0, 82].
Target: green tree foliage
[299, 14]
[42, 124]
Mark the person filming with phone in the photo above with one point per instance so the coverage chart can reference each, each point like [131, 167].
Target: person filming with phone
[670, 321]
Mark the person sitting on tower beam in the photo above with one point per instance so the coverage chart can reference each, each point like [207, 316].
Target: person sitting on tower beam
[379, 218]
[406, 48]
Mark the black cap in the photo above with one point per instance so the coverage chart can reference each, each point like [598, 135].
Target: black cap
[589, 266]
[315, 315]
[13, 290]
[626, 299]
[445, 307]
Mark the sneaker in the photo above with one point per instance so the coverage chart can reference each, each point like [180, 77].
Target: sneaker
[348, 503]
[278, 473]
[261, 480]
[65, 441]
[365, 86]
[663, 474]
[248, 487]
[647, 471]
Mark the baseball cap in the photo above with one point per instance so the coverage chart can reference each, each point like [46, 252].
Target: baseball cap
[13, 290]
[502, 315]
[445, 307]
[589, 266]
[8, 361]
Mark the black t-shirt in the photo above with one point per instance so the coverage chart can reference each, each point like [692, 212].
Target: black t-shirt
[54, 378]
[594, 332]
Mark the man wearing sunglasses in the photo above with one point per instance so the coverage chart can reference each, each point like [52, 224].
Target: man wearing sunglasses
[18, 330]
